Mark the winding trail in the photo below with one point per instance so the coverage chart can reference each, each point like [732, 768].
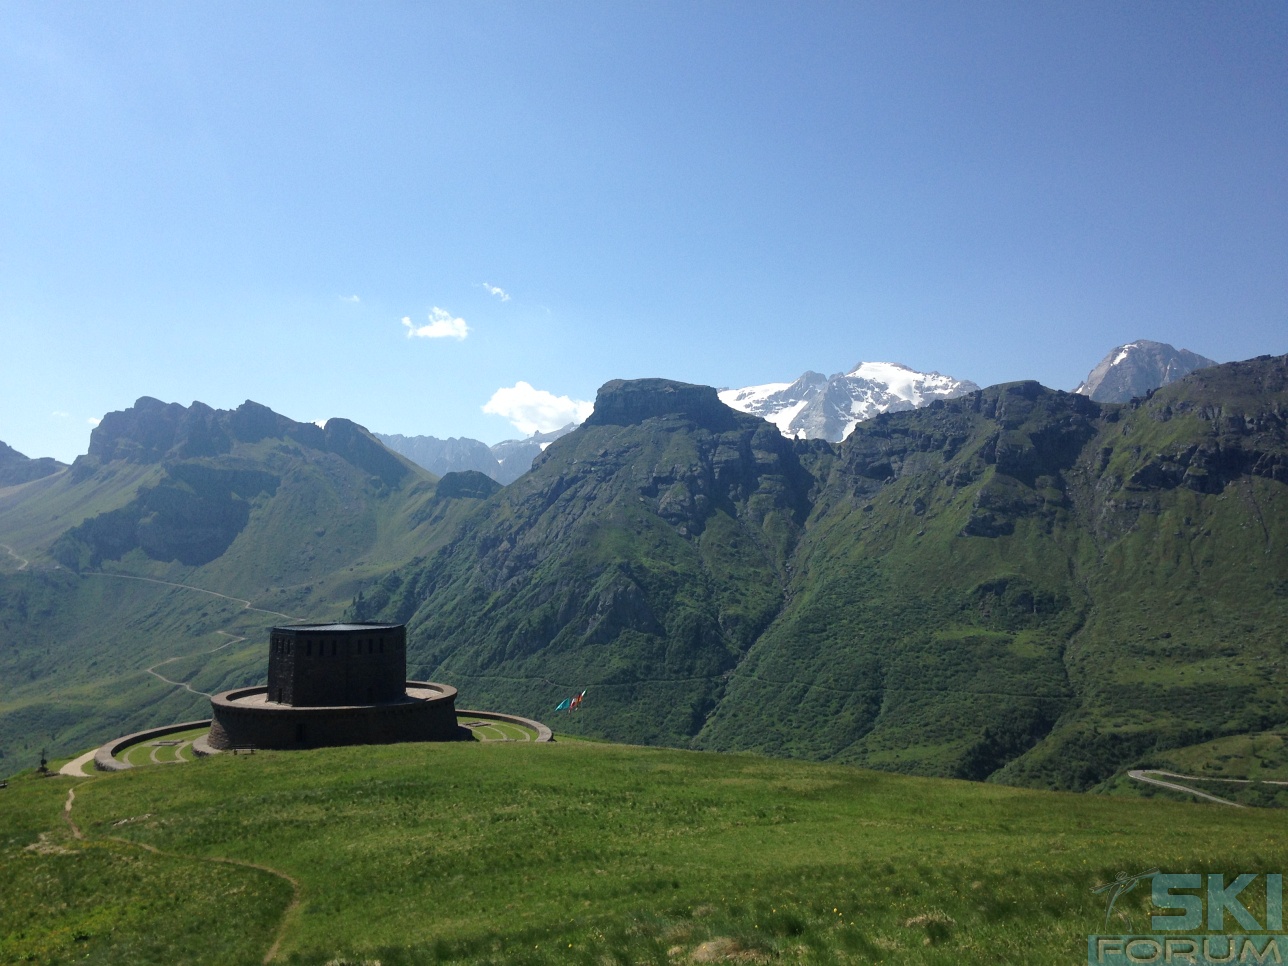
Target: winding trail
[1146, 775]
[9, 550]
[287, 914]
[232, 638]
[76, 767]
[201, 590]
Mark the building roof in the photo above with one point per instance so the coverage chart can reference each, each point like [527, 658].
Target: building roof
[336, 628]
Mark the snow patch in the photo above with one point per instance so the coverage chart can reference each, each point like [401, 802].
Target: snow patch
[746, 400]
[783, 417]
[1123, 353]
[817, 407]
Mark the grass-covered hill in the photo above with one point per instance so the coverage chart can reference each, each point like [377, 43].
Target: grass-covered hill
[1027, 585]
[643, 556]
[582, 853]
[1018, 584]
[247, 505]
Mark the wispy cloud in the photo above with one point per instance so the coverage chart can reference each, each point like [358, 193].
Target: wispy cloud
[441, 326]
[93, 420]
[59, 414]
[350, 298]
[532, 410]
[496, 290]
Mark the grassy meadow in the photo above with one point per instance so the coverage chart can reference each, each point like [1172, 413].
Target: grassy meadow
[516, 852]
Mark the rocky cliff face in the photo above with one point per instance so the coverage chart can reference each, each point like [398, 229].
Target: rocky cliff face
[151, 431]
[216, 465]
[17, 468]
[1133, 370]
[625, 402]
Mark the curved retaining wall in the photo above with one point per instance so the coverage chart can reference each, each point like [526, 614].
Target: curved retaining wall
[242, 717]
[105, 758]
[543, 733]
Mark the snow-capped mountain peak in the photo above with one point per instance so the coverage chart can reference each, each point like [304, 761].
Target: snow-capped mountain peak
[1135, 368]
[819, 407]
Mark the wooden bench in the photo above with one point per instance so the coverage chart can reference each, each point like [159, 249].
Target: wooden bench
[248, 749]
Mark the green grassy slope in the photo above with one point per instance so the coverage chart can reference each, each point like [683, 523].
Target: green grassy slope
[1029, 586]
[642, 558]
[582, 853]
[931, 601]
[35, 514]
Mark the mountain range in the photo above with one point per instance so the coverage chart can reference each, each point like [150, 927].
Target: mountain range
[815, 406]
[1015, 583]
[829, 407]
[504, 462]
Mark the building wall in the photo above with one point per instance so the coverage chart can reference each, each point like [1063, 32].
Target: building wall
[337, 665]
[275, 726]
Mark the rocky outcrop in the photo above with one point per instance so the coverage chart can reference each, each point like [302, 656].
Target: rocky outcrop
[1133, 370]
[17, 468]
[625, 402]
[151, 431]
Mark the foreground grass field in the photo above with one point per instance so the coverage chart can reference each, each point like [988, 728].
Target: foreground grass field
[585, 853]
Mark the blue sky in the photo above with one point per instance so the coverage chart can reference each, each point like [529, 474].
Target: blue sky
[226, 201]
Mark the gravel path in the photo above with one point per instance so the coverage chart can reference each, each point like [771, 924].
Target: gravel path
[76, 767]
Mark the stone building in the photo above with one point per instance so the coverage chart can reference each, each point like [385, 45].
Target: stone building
[334, 684]
[314, 665]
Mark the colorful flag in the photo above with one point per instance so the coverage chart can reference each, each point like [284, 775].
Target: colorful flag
[576, 702]
[564, 705]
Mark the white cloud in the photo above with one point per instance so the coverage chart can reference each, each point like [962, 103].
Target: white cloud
[350, 298]
[59, 414]
[320, 423]
[93, 420]
[496, 290]
[532, 410]
[441, 326]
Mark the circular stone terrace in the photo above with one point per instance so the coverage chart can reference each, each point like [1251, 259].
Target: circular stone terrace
[178, 743]
[244, 717]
